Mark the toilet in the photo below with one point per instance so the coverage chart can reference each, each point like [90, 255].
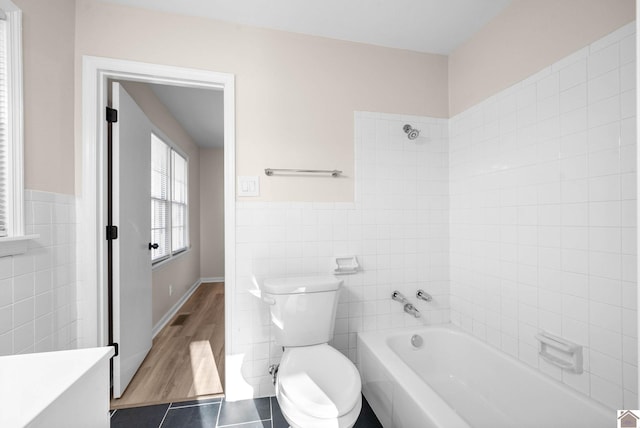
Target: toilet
[316, 386]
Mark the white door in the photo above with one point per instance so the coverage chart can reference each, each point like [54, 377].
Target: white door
[131, 254]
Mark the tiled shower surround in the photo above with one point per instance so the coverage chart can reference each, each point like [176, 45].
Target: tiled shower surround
[398, 229]
[524, 221]
[543, 217]
[38, 289]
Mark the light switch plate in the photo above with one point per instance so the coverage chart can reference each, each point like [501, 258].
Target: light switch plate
[249, 185]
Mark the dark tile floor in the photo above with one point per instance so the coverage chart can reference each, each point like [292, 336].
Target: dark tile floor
[213, 413]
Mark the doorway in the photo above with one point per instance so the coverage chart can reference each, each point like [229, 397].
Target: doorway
[97, 72]
[179, 131]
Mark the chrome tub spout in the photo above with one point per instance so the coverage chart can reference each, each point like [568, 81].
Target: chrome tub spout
[412, 310]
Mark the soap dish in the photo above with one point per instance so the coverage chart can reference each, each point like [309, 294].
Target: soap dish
[346, 265]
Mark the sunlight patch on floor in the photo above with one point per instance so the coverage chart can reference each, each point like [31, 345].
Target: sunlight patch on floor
[206, 379]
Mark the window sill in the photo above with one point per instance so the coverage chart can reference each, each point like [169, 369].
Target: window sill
[14, 245]
[168, 260]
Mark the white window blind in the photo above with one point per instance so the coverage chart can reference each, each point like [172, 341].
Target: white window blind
[11, 126]
[169, 209]
[159, 198]
[178, 202]
[4, 132]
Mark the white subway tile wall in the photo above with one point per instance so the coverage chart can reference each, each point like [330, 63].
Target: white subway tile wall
[543, 217]
[38, 308]
[398, 229]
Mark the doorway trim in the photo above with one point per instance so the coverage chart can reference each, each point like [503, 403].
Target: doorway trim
[91, 208]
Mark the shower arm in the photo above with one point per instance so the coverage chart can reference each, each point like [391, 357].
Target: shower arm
[412, 133]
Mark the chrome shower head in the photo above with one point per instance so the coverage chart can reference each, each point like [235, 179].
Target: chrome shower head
[411, 132]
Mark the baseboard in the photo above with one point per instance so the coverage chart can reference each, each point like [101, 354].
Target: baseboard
[175, 308]
[213, 279]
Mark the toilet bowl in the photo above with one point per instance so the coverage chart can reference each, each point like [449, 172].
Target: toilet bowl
[316, 385]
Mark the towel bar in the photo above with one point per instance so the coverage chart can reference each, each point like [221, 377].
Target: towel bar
[333, 172]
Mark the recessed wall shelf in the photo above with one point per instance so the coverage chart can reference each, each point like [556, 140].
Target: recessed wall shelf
[560, 352]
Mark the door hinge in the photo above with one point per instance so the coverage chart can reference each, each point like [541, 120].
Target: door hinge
[116, 348]
[112, 115]
[112, 233]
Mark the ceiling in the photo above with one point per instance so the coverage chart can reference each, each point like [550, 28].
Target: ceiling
[434, 26]
[199, 111]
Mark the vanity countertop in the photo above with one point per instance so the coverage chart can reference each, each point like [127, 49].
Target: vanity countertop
[31, 383]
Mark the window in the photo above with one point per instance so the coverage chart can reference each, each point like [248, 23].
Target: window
[11, 145]
[169, 206]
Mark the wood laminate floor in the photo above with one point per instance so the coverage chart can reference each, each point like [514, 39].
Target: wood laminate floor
[186, 360]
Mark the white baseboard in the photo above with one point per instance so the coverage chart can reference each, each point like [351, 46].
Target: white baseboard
[213, 279]
[175, 308]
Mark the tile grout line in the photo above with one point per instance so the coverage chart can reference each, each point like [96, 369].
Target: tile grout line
[219, 411]
[242, 423]
[195, 405]
[271, 410]
[165, 415]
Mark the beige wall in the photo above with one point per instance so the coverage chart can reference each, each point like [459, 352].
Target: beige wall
[48, 58]
[184, 270]
[525, 38]
[295, 94]
[211, 213]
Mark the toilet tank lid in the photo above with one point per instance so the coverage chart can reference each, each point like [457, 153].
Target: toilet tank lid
[301, 284]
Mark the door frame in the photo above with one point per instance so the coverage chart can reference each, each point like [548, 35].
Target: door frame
[92, 204]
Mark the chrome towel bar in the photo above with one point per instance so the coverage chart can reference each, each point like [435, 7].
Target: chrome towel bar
[333, 172]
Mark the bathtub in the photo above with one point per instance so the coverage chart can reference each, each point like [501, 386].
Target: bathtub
[456, 381]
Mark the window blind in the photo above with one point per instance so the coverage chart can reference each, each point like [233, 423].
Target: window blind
[159, 198]
[4, 132]
[169, 192]
[178, 202]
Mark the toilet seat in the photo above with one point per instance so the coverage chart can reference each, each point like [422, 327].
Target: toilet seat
[298, 419]
[319, 381]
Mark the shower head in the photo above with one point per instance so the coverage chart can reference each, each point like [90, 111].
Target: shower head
[411, 132]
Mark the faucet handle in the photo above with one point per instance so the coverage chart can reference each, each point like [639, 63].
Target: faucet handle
[423, 295]
[398, 296]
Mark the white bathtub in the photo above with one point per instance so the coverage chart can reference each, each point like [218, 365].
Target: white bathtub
[456, 381]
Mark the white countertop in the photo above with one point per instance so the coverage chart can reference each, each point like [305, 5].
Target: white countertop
[29, 383]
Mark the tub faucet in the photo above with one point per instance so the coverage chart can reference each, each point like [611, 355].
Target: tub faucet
[412, 310]
[423, 295]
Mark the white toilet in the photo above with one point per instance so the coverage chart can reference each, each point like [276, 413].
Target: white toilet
[316, 386]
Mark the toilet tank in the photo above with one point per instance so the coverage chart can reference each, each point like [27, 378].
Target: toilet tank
[303, 309]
